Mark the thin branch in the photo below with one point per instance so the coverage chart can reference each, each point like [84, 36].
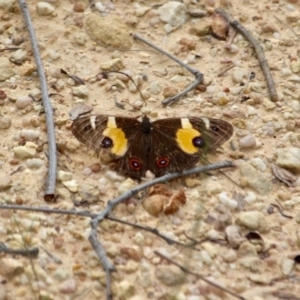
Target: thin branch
[198, 75]
[185, 270]
[51, 180]
[111, 204]
[259, 52]
[108, 267]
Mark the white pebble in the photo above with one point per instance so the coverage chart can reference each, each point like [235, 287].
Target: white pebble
[233, 48]
[23, 102]
[228, 202]
[44, 8]
[247, 142]
[34, 163]
[250, 198]
[173, 13]
[258, 164]
[87, 171]
[29, 135]
[102, 185]
[211, 89]
[100, 7]
[286, 72]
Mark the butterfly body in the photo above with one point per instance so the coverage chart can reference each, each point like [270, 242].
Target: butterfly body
[162, 146]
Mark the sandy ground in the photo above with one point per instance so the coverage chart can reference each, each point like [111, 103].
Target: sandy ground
[67, 267]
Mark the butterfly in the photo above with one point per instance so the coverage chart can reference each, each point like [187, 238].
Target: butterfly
[162, 146]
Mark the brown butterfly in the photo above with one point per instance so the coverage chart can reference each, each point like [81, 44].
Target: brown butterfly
[163, 146]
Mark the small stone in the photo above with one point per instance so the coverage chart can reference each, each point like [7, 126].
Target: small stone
[258, 164]
[125, 289]
[64, 176]
[286, 72]
[238, 75]
[288, 158]
[19, 57]
[68, 286]
[247, 142]
[155, 87]
[5, 181]
[126, 185]
[23, 102]
[132, 252]
[287, 266]
[34, 163]
[89, 191]
[256, 179]
[173, 13]
[252, 263]
[228, 202]
[29, 135]
[44, 8]
[229, 256]
[27, 68]
[269, 105]
[253, 220]
[10, 267]
[247, 249]
[71, 185]
[250, 198]
[295, 66]
[27, 151]
[109, 30]
[5, 122]
[169, 275]
[233, 236]
[112, 65]
[6, 69]
[154, 204]
[80, 91]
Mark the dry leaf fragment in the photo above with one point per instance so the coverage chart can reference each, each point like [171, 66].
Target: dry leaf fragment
[284, 175]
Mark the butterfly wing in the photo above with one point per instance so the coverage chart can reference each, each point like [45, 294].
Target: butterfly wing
[120, 137]
[178, 143]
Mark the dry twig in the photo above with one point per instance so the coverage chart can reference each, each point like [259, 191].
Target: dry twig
[51, 180]
[259, 52]
[185, 270]
[198, 75]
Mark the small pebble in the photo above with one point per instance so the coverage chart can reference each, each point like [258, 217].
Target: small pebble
[253, 220]
[64, 176]
[6, 69]
[80, 91]
[247, 142]
[44, 8]
[155, 88]
[23, 101]
[250, 198]
[68, 286]
[288, 158]
[259, 164]
[71, 185]
[29, 135]
[5, 122]
[228, 202]
[287, 266]
[173, 13]
[169, 275]
[34, 163]
[27, 151]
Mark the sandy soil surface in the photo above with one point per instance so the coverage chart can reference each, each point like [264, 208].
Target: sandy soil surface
[250, 246]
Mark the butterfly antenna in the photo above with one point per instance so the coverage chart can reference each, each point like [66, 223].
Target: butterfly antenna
[144, 77]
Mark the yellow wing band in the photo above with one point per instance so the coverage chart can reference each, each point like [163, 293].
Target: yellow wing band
[185, 136]
[117, 135]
